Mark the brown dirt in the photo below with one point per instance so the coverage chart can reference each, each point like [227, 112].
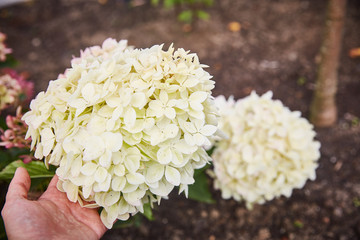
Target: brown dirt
[276, 46]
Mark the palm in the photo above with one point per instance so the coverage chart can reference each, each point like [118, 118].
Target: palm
[53, 216]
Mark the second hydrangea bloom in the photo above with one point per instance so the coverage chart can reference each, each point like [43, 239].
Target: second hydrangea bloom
[125, 125]
[269, 150]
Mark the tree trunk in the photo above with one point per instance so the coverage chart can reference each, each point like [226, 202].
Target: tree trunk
[323, 111]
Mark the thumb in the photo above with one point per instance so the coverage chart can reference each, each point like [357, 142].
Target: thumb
[19, 185]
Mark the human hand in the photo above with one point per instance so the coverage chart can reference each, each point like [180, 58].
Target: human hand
[52, 216]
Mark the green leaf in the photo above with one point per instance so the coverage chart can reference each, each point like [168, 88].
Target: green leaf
[36, 169]
[5, 159]
[200, 191]
[185, 16]
[10, 62]
[2, 230]
[3, 123]
[208, 2]
[202, 15]
[16, 152]
[133, 221]
[155, 2]
[210, 151]
[168, 3]
[148, 212]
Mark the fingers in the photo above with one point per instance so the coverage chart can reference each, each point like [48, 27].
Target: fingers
[53, 182]
[52, 191]
[19, 185]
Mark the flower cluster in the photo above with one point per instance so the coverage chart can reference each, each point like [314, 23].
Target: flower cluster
[14, 89]
[125, 125]
[3, 49]
[14, 136]
[10, 89]
[269, 150]
[27, 87]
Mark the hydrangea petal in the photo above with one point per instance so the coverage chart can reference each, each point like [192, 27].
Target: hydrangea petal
[154, 173]
[172, 175]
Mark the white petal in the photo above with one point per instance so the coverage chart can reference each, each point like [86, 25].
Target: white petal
[132, 164]
[111, 198]
[135, 178]
[113, 141]
[138, 100]
[170, 113]
[96, 125]
[163, 189]
[76, 166]
[88, 92]
[198, 97]
[71, 191]
[39, 152]
[154, 173]
[124, 217]
[77, 103]
[197, 114]
[171, 130]
[94, 148]
[130, 117]
[155, 108]
[117, 157]
[191, 82]
[70, 146]
[104, 219]
[196, 106]
[105, 111]
[118, 183]
[88, 169]
[119, 170]
[189, 139]
[129, 188]
[104, 186]
[164, 155]
[123, 207]
[247, 153]
[86, 191]
[100, 175]
[190, 127]
[172, 175]
[185, 148]
[208, 130]
[199, 139]
[47, 134]
[163, 96]
[113, 102]
[105, 159]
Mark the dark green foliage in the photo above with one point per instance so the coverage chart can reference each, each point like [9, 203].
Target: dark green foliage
[10, 62]
[190, 10]
[200, 191]
[36, 169]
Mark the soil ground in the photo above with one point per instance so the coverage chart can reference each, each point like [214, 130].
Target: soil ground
[276, 46]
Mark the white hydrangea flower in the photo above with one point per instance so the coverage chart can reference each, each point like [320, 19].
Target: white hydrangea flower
[125, 125]
[268, 152]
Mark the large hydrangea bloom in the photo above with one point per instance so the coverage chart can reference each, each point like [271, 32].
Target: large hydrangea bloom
[269, 150]
[125, 125]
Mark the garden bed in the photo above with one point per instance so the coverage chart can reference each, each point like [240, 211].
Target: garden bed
[275, 50]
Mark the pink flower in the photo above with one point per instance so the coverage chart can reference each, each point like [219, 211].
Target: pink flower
[14, 136]
[3, 49]
[27, 87]
[10, 90]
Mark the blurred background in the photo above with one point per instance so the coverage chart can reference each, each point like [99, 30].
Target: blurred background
[249, 45]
